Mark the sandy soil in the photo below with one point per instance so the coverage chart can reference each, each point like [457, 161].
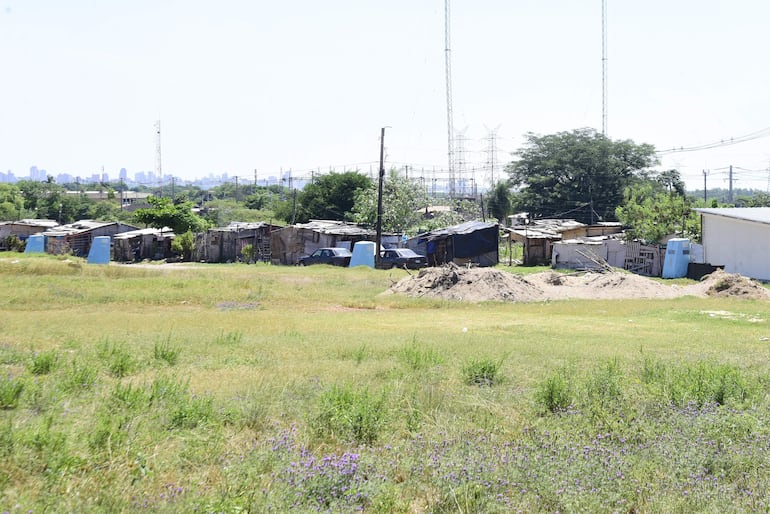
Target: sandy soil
[485, 284]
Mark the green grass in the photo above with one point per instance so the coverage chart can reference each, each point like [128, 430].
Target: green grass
[264, 388]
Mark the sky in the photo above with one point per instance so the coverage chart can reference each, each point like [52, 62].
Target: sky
[307, 85]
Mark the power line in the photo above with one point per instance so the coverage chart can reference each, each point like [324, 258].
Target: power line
[717, 144]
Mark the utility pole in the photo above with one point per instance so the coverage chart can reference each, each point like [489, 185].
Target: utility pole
[730, 190]
[378, 242]
[236, 189]
[255, 180]
[705, 196]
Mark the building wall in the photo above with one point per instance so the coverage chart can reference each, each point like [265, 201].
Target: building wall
[740, 246]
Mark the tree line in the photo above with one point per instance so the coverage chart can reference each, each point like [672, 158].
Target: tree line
[579, 174]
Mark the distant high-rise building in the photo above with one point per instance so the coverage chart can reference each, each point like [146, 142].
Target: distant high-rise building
[105, 177]
[123, 174]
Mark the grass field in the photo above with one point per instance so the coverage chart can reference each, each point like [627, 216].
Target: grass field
[235, 388]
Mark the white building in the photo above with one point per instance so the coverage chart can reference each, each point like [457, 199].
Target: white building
[738, 239]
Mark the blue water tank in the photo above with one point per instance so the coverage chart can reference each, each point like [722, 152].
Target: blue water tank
[363, 254]
[100, 250]
[677, 258]
[35, 244]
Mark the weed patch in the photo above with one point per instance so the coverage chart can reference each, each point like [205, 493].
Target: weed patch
[350, 414]
[482, 371]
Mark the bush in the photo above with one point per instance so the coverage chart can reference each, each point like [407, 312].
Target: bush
[183, 245]
[43, 363]
[556, 393]
[482, 372]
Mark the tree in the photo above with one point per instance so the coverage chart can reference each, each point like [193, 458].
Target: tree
[580, 174]
[164, 213]
[183, 245]
[651, 213]
[499, 203]
[401, 205]
[330, 197]
[11, 202]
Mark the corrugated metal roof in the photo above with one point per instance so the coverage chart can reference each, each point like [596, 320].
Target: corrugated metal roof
[463, 228]
[755, 214]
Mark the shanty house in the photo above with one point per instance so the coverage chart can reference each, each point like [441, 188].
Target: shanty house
[292, 242]
[23, 229]
[473, 242]
[539, 236]
[738, 239]
[146, 243]
[77, 237]
[225, 244]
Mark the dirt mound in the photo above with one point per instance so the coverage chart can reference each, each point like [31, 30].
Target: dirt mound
[470, 284]
[451, 282]
[732, 285]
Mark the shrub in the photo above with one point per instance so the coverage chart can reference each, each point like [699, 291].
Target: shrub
[709, 382]
[482, 372]
[604, 384]
[43, 363]
[354, 415]
[556, 393]
[10, 392]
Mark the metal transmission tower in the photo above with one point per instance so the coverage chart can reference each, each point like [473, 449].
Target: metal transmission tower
[449, 115]
[604, 67]
[492, 155]
[159, 169]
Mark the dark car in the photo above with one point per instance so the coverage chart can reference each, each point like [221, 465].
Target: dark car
[333, 256]
[401, 258]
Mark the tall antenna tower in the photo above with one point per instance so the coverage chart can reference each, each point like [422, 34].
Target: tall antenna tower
[158, 168]
[449, 115]
[460, 164]
[604, 67]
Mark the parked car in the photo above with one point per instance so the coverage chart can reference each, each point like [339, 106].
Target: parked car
[400, 258]
[333, 256]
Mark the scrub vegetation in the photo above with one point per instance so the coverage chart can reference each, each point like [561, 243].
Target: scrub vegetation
[235, 388]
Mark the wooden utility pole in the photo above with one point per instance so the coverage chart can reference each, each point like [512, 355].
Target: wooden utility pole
[378, 242]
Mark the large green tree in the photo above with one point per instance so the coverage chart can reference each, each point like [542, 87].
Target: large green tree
[330, 197]
[580, 174]
[652, 211]
[165, 213]
[402, 202]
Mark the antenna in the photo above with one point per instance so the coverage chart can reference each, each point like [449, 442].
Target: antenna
[604, 67]
[449, 115]
[158, 167]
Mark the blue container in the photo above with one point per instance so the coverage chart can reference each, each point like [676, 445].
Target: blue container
[677, 258]
[35, 244]
[363, 254]
[100, 250]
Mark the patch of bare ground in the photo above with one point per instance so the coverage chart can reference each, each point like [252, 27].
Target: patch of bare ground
[451, 282]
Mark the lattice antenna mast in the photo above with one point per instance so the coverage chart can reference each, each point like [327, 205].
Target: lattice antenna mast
[159, 169]
[604, 67]
[449, 114]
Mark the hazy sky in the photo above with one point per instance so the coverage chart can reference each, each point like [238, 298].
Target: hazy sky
[307, 84]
